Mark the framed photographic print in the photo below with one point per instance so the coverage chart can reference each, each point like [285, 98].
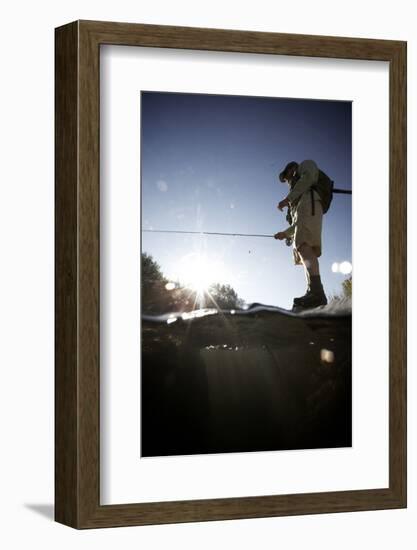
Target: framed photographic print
[216, 193]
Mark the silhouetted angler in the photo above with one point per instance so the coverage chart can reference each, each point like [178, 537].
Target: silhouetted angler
[309, 197]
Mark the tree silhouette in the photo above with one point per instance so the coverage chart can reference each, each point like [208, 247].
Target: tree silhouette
[346, 291]
[155, 298]
[347, 287]
[225, 296]
[151, 271]
[158, 297]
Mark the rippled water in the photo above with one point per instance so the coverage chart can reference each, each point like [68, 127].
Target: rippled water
[259, 379]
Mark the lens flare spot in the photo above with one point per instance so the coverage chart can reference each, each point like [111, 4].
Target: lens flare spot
[327, 356]
[345, 268]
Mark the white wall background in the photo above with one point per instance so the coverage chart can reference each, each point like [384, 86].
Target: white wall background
[26, 274]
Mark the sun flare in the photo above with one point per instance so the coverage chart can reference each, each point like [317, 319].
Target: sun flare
[198, 272]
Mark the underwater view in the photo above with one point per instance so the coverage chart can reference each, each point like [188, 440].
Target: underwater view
[259, 379]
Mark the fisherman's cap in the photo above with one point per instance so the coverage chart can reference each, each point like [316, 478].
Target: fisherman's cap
[290, 166]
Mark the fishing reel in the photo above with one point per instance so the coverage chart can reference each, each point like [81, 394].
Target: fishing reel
[288, 217]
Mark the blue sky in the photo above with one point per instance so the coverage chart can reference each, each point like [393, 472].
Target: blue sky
[210, 163]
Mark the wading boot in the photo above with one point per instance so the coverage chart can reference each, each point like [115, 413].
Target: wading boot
[300, 300]
[314, 297]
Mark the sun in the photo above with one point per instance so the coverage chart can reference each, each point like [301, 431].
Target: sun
[198, 272]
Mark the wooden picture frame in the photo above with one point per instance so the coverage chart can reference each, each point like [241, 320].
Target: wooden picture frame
[77, 372]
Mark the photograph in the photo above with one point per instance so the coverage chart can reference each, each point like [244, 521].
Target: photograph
[246, 274]
[215, 192]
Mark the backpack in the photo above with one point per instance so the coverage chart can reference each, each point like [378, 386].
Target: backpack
[324, 188]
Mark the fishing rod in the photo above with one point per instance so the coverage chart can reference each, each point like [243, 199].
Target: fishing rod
[206, 233]
[341, 191]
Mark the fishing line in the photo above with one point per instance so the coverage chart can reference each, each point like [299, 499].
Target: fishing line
[206, 233]
[342, 191]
